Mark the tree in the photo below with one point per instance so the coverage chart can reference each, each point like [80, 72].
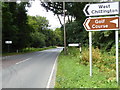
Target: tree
[9, 30]
[24, 31]
[59, 36]
[38, 39]
[75, 33]
[38, 23]
[74, 29]
[104, 39]
[15, 27]
[73, 9]
[50, 37]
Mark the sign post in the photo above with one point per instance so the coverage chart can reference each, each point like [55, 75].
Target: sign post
[116, 40]
[90, 51]
[103, 24]
[8, 43]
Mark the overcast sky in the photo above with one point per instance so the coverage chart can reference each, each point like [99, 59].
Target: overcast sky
[37, 9]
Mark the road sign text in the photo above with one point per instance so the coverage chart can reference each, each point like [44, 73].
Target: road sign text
[102, 23]
[102, 9]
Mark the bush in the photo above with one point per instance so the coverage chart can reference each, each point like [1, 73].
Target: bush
[96, 55]
[71, 74]
[105, 61]
[113, 50]
[73, 51]
[38, 39]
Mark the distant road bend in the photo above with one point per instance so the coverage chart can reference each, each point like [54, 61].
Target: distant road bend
[31, 70]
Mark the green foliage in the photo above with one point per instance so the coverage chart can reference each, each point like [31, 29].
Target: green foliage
[99, 58]
[25, 31]
[105, 61]
[75, 33]
[38, 23]
[50, 37]
[26, 50]
[59, 37]
[96, 56]
[72, 73]
[14, 25]
[41, 35]
[74, 9]
[113, 50]
[104, 39]
[38, 39]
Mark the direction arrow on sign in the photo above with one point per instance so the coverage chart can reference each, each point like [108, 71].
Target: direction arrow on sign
[98, 9]
[102, 23]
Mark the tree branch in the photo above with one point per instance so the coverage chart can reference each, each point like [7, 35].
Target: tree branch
[59, 20]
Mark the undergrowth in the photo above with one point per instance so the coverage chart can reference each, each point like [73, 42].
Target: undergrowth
[73, 70]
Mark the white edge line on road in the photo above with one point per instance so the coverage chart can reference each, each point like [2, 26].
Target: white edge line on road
[50, 78]
[24, 60]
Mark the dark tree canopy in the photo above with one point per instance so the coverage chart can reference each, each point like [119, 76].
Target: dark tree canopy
[74, 28]
[23, 30]
[14, 24]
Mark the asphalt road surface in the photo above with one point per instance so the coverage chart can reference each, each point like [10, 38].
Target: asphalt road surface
[31, 70]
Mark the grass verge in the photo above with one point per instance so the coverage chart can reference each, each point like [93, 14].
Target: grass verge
[27, 50]
[73, 72]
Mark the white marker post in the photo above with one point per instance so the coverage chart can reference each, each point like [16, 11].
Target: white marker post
[90, 51]
[117, 71]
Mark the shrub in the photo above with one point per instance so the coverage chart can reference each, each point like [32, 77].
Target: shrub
[73, 51]
[96, 56]
[104, 61]
[71, 74]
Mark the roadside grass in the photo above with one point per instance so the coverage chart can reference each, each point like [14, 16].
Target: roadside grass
[73, 70]
[27, 50]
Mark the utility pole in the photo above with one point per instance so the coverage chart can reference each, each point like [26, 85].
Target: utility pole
[65, 52]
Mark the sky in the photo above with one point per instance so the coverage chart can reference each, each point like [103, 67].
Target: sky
[37, 9]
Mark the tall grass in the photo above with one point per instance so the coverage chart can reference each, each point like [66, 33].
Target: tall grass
[104, 61]
[73, 70]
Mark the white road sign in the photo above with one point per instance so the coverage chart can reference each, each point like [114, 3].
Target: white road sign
[8, 42]
[73, 44]
[98, 9]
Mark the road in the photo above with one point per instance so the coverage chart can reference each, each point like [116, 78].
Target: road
[31, 70]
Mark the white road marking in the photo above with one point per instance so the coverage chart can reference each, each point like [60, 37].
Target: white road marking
[50, 78]
[24, 60]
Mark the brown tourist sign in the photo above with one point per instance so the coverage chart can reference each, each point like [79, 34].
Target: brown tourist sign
[102, 23]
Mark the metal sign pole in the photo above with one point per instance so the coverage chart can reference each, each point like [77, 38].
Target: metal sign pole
[117, 71]
[8, 48]
[90, 51]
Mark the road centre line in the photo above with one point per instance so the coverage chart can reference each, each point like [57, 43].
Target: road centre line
[24, 60]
